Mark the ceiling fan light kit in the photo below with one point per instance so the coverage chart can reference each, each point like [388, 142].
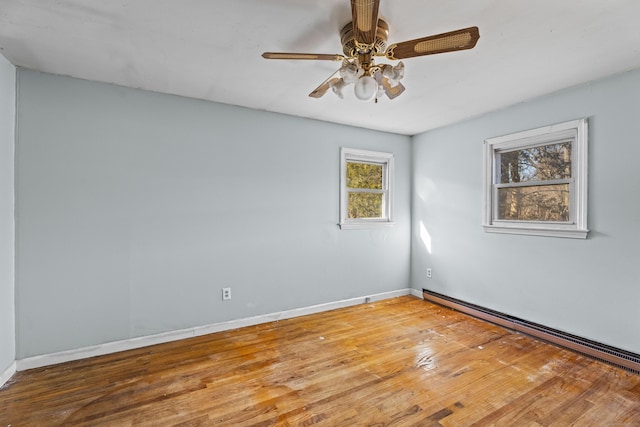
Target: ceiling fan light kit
[366, 37]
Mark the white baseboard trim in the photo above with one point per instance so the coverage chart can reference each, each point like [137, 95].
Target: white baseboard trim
[133, 343]
[8, 373]
[415, 293]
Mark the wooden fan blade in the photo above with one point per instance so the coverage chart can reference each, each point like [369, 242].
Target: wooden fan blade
[325, 85]
[305, 56]
[365, 20]
[465, 38]
[323, 88]
[392, 91]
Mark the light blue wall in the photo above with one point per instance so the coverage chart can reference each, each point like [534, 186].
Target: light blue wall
[135, 208]
[588, 287]
[7, 252]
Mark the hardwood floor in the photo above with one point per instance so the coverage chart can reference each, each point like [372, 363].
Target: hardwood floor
[399, 362]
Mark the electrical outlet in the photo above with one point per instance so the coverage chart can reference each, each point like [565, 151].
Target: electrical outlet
[226, 294]
[428, 273]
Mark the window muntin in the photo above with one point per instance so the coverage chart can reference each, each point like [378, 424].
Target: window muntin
[535, 181]
[365, 189]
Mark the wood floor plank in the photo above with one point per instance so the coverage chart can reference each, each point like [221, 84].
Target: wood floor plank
[399, 362]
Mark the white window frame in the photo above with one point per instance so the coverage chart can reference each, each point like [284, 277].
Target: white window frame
[575, 131]
[366, 156]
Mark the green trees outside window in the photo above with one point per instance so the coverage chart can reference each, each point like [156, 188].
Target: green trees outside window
[364, 189]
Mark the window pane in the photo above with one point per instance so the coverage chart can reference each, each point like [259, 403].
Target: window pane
[364, 175]
[365, 205]
[535, 203]
[541, 163]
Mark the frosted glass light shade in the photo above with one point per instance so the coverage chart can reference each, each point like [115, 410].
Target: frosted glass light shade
[366, 88]
[350, 73]
[393, 74]
[337, 87]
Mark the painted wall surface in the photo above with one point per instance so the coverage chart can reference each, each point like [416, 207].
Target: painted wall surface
[7, 228]
[591, 287]
[135, 209]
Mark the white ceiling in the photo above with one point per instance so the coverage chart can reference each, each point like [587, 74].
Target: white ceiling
[210, 49]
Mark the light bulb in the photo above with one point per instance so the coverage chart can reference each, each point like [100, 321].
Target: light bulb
[366, 88]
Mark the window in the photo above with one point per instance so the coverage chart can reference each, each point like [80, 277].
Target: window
[536, 181]
[366, 186]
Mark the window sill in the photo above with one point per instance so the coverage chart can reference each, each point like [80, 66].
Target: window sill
[572, 233]
[365, 225]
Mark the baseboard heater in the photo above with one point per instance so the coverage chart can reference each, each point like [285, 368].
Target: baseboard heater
[612, 355]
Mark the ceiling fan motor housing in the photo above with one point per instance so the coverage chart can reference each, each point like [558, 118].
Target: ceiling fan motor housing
[350, 48]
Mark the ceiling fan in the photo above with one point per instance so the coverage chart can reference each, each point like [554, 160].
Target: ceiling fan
[366, 37]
